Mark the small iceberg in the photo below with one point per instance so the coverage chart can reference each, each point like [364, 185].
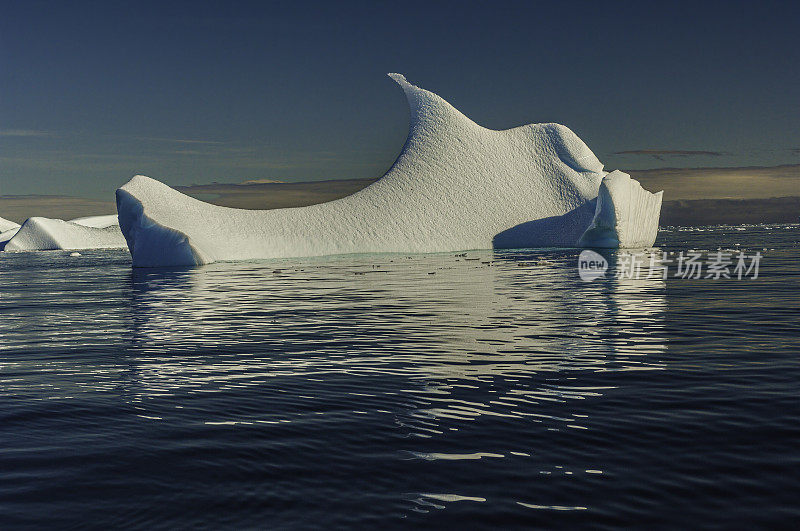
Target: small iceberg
[46, 234]
[455, 186]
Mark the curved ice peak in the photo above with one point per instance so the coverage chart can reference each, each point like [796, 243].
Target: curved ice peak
[454, 186]
[428, 109]
[433, 120]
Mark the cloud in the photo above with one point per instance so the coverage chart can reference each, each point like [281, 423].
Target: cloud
[21, 207]
[189, 152]
[730, 211]
[660, 154]
[261, 181]
[747, 182]
[40, 133]
[24, 133]
[177, 140]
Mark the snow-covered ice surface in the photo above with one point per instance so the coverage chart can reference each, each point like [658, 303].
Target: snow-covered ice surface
[6, 225]
[626, 214]
[6, 235]
[45, 234]
[99, 222]
[455, 186]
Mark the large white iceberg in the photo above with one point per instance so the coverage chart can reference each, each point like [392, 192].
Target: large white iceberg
[455, 186]
[44, 234]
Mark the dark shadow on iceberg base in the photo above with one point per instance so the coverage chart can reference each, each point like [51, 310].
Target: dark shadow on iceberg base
[555, 231]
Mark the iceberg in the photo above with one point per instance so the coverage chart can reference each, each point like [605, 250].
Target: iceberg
[455, 186]
[7, 231]
[45, 234]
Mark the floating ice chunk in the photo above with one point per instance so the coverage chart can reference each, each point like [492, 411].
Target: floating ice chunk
[455, 186]
[43, 234]
[626, 214]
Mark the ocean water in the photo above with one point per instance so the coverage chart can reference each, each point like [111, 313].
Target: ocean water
[434, 391]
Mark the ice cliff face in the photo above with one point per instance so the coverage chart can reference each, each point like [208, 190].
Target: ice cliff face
[455, 186]
[626, 214]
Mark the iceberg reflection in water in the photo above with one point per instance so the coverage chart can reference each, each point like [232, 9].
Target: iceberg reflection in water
[388, 315]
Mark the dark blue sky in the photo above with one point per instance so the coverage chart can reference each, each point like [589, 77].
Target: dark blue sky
[93, 92]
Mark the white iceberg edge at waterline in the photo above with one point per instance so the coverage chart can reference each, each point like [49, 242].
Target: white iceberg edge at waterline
[626, 215]
[455, 186]
[6, 235]
[8, 229]
[46, 234]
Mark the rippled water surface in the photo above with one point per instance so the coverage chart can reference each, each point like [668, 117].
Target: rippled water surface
[495, 389]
